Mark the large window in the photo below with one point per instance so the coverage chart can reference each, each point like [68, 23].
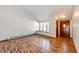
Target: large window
[40, 26]
[44, 26]
[47, 25]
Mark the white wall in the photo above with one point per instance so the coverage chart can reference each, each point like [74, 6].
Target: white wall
[71, 28]
[52, 26]
[14, 21]
[76, 27]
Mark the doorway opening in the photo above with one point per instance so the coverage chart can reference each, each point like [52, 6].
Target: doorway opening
[63, 28]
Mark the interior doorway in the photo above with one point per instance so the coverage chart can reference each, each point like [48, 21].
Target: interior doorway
[63, 28]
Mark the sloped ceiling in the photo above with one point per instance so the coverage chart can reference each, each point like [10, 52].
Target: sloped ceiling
[43, 12]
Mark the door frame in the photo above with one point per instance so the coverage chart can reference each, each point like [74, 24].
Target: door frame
[59, 34]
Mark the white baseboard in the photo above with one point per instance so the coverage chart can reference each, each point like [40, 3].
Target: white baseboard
[45, 34]
[17, 36]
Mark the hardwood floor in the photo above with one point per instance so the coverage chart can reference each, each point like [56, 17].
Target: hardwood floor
[37, 44]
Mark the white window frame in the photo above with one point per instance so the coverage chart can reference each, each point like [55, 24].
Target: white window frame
[44, 26]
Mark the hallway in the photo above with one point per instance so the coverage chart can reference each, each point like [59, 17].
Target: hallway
[37, 44]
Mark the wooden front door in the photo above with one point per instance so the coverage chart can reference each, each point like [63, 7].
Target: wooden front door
[65, 28]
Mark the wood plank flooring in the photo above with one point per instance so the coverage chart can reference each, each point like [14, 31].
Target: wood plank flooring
[37, 44]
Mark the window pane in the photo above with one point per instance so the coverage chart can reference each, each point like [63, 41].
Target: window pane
[47, 26]
[41, 24]
[44, 26]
